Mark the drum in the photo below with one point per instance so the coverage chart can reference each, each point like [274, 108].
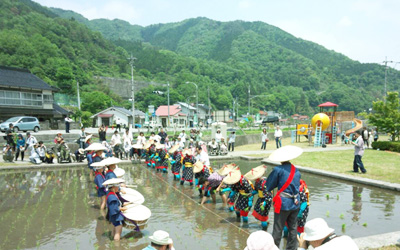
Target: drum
[136, 217]
[132, 195]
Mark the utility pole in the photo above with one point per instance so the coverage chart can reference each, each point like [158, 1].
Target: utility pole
[168, 123]
[233, 109]
[237, 109]
[131, 62]
[386, 67]
[79, 103]
[248, 113]
[209, 103]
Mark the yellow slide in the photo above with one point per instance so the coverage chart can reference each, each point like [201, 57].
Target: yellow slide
[358, 126]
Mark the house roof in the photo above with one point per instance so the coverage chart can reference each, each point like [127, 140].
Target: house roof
[186, 105]
[163, 110]
[263, 112]
[59, 110]
[328, 104]
[22, 78]
[122, 110]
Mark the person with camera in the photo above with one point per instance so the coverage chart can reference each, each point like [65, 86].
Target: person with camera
[320, 236]
[160, 240]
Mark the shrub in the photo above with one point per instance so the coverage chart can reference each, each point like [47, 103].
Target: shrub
[387, 145]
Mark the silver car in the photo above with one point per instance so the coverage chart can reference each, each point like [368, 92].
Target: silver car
[23, 123]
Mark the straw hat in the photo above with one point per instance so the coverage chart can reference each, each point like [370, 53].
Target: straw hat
[113, 182]
[233, 176]
[197, 167]
[137, 146]
[285, 153]
[173, 149]
[132, 195]
[255, 173]
[88, 137]
[97, 165]
[95, 147]
[225, 169]
[161, 237]
[160, 146]
[111, 161]
[187, 151]
[81, 151]
[140, 213]
[260, 240]
[316, 229]
[119, 172]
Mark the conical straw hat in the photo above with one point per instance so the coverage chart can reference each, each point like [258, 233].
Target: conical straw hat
[111, 161]
[119, 172]
[173, 149]
[137, 146]
[285, 153]
[88, 137]
[95, 147]
[113, 181]
[233, 176]
[255, 173]
[187, 151]
[97, 165]
[197, 167]
[225, 169]
[160, 146]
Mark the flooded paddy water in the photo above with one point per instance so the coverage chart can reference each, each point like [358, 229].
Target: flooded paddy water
[58, 209]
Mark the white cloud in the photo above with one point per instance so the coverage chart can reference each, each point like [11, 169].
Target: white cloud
[345, 21]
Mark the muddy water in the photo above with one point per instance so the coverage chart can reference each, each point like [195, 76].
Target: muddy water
[59, 210]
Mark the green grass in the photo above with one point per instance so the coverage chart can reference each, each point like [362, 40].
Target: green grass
[380, 165]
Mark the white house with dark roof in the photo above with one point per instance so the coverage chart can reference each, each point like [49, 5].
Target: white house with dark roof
[110, 115]
[24, 94]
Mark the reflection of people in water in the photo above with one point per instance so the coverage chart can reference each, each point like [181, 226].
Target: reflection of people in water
[357, 203]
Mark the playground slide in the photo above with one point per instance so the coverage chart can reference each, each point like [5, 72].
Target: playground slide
[357, 127]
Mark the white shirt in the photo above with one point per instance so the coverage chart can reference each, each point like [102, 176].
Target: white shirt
[278, 133]
[218, 137]
[183, 137]
[127, 138]
[204, 158]
[213, 145]
[340, 242]
[115, 140]
[265, 136]
[67, 119]
[42, 151]
[141, 140]
[232, 138]
[31, 141]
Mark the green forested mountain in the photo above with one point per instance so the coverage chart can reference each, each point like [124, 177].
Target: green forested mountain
[292, 75]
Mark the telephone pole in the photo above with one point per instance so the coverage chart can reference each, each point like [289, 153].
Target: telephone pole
[386, 67]
[131, 62]
[248, 113]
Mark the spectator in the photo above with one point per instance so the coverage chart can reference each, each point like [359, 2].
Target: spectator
[116, 144]
[278, 137]
[82, 136]
[231, 141]
[102, 133]
[223, 148]
[30, 141]
[127, 139]
[118, 123]
[160, 240]
[376, 135]
[153, 136]
[162, 135]
[218, 136]
[182, 135]
[320, 236]
[41, 151]
[67, 123]
[20, 147]
[358, 153]
[198, 137]
[50, 155]
[35, 158]
[10, 137]
[365, 137]
[7, 153]
[264, 139]
[58, 138]
[260, 240]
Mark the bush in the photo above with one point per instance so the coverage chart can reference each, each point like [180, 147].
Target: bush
[387, 145]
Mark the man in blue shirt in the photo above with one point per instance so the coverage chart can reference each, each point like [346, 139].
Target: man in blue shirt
[286, 178]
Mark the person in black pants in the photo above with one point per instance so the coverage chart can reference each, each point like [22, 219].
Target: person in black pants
[67, 123]
[10, 137]
[163, 135]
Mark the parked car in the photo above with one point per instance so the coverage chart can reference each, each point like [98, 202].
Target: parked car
[270, 119]
[23, 123]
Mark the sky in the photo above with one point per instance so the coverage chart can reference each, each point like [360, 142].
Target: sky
[363, 30]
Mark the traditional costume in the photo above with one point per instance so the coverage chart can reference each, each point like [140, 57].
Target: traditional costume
[150, 153]
[176, 161]
[304, 206]
[188, 161]
[201, 173]
[263, 204]
[161, 158]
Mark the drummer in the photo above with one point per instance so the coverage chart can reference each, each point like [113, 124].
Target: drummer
[263, 204]
[98, 180]
[188, 161]
[115, 207]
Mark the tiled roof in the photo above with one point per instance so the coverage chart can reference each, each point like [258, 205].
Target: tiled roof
[22, 78]
[163, 110]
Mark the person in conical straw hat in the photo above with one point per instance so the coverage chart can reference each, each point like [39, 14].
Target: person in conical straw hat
[188, 161]
[201, 174]
[214, 183]
[151, 152]
[223, 188]
[263, 204]
[241, 185]
[176, 160]
[99, 180]
[115, 206]
[111, 164]
[161, 158]
[286, 177]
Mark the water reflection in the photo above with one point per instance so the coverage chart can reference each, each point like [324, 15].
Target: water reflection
[56, 210]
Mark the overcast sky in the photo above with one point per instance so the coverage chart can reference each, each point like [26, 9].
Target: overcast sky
[364, 30]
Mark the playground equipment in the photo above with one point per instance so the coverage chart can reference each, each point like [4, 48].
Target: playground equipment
[358, 125]
[320, 122]
[301, 129]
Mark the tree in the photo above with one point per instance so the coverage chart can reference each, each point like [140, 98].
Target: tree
[386, 115]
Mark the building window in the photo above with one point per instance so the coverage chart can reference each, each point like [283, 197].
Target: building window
[47, 99]
[15, 98]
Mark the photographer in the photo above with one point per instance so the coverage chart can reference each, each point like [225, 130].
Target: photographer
[320, 236]
[160, 240]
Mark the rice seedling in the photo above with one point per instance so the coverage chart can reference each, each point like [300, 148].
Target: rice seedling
[327, 214]
[365, 224]
[327, 196]
[341, 216]
[359, 195]
[337, 197]
[343, 227]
